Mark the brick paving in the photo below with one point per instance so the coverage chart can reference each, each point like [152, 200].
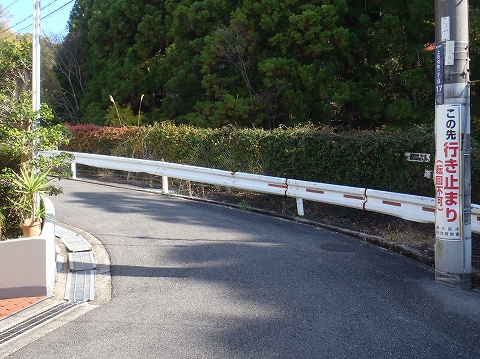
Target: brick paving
[13, 305]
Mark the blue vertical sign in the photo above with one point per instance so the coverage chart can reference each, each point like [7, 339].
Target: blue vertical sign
[439, 64]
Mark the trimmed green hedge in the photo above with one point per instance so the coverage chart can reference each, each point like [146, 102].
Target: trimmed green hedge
[371, 159]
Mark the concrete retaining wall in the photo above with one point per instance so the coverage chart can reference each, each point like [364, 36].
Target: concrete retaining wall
[28, 265]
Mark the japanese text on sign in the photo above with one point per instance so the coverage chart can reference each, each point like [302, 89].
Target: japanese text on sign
[439, 68]
[447, 171]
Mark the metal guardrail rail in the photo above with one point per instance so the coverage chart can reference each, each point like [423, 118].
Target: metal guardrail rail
[406, 206]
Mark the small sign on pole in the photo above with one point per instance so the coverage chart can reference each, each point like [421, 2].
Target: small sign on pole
[439, 67]
[417, 157]
[445, 28]
[449, 53]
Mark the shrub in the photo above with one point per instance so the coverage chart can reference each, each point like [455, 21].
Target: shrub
[371, 159]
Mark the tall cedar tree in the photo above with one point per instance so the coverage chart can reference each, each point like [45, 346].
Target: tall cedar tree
[344, 63]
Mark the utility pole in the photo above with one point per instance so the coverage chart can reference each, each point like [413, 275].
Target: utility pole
[453, 239]
[36, 60]
[36, 74]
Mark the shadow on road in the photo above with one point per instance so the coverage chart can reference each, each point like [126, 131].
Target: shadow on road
[239, 284]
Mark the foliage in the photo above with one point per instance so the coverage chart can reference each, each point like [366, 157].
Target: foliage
[372, 159]
[29, 184]
[342, 63]
[115, 44]
[14, 64]
[18, 132]
[3, 220]
[23, 132]
[12, 218]
[123, 116]
[475, 69]
[62, 77]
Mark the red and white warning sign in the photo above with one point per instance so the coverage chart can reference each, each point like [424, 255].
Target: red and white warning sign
[447, 171]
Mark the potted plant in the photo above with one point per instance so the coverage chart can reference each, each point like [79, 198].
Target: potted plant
[29, 185]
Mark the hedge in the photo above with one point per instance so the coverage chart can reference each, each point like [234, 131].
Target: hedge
[371, 159]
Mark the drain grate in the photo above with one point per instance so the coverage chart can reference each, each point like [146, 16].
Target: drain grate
[80, 286]
[76, 244]
[81, 261]
[63, 232]
[36, 320]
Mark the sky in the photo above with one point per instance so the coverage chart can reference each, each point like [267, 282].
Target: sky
[54, 15]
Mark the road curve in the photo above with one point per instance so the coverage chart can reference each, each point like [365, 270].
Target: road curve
[195, 280]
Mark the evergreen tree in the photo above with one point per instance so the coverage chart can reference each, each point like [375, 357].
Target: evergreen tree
[343, 63]
[118, 40]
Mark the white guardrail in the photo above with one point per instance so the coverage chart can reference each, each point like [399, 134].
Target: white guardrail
[408, 207]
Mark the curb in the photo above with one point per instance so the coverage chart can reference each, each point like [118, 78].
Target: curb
[103, 280]
[102, 296]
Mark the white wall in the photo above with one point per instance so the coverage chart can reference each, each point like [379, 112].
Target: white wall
[28, 265]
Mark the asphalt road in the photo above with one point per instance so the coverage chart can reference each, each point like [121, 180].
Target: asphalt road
[194, 280]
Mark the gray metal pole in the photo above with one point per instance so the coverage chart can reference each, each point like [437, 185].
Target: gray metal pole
[36, 59]
[36, 74]
[453, 246]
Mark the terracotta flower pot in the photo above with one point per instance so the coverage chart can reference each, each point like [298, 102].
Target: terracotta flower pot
[31, 228]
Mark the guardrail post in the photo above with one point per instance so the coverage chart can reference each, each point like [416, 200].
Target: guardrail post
[409, 207]
[300, 210]
[73, 167]
[165, 184]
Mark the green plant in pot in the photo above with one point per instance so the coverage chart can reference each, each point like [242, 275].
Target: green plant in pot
[28, 186]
